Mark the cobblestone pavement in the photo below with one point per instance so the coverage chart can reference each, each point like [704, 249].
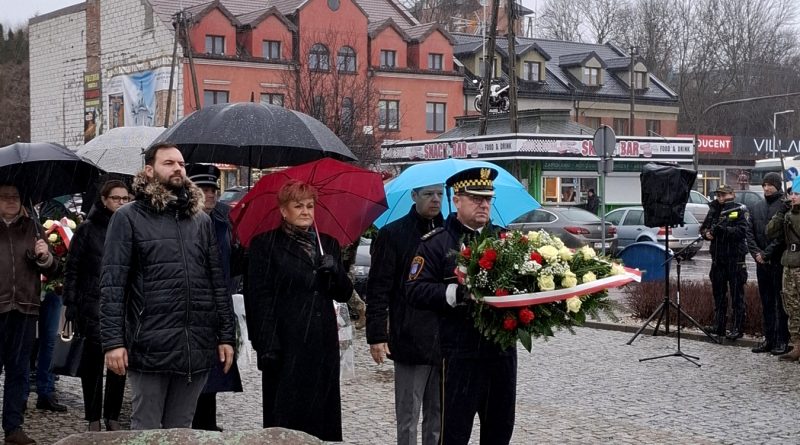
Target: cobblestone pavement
[582, 389]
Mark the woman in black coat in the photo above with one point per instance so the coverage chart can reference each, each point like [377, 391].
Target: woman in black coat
[291, 319]
[82, 298]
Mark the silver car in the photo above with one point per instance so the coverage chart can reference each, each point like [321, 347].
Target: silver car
[631, 229]
[576, 227]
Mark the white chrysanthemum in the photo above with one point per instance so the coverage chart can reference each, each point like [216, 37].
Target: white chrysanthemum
[565, 254]
[588, 276]
[587, 252]
[549, 253]
[569, 280]
[573, 304]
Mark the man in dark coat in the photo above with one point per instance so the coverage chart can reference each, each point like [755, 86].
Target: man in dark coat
[478, 375]
[592, 202]
[206, 177]
[412, 338]
[24, 256]
[166, 316]
[767, 255]
[726, 226]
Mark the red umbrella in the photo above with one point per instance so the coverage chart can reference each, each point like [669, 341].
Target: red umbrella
[349, 200]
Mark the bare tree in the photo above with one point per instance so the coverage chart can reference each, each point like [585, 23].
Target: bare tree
[562, 20]
[331, 84]
[14, 88]
[605, 19]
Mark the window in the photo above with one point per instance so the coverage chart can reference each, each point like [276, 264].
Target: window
[346, 117]
[435, 61]
[591, 76]
[615, 217]
[211, 97]
[270, 98]
[591, 122]
[621, 126]
[434, 117]
[388, 114]
[640, 79]
[318, 112]
[653, 127]
[346, 60]
[634, 218]
[319, 58]
[215, 45]
[530, 71]
[388, 58]
[271, 49]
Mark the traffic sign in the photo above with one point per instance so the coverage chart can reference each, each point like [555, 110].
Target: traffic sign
[604, 141]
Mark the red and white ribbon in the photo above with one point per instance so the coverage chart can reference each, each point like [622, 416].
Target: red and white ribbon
[550, 296]
[62, 227]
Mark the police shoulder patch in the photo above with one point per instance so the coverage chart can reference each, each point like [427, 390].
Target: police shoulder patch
[431, 233]
[416, 267]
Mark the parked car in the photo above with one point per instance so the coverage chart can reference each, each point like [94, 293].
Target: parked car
[576, 227]
[631, 229]
[361, 267]
[233, 195]
[749, 197]
[697, 205]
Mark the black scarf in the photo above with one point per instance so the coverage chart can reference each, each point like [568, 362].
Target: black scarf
[181, 201]
[307, 239]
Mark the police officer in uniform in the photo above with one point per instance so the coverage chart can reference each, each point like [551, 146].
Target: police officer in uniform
[478, 377]
[726, 226]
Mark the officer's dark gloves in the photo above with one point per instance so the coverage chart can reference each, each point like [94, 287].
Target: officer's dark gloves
[328, 265]
[462, 294]
[71, 314]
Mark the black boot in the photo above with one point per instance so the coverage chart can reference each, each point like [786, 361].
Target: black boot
[50, 404]
[764, 346]
[735, 334]
[780, 349]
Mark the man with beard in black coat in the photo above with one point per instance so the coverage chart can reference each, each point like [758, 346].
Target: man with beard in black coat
[478, 376]
[410, 335]
[767, 254]
[166, 316]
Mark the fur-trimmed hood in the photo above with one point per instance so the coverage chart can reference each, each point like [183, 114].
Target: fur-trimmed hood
[158, 196]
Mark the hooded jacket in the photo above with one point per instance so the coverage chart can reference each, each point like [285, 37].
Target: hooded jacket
[163, 293]
[729, 243]
[82, 272]
[21, 283]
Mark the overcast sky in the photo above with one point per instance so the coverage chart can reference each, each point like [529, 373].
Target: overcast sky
[17, 12]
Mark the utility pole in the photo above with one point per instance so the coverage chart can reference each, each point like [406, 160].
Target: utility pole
[178, 18]
[487, 70]
[185, 32]
[512, 67]
[633, 87]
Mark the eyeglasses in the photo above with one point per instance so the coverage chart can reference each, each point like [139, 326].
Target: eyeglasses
[9, 198]
[116, 198]
[478, 200]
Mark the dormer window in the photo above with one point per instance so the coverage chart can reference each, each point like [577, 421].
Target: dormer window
[530, 71]
[591, 76]
[640, 80]
[435, 61]
[215, 45]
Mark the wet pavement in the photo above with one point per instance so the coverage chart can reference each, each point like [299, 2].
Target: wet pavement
[575, 389]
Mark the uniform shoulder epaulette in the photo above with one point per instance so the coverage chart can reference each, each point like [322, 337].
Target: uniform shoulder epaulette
[431, 233]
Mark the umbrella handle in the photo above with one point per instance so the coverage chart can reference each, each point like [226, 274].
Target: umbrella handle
[319, 241]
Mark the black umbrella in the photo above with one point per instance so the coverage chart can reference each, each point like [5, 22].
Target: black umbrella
[44, 170]
[255, 135]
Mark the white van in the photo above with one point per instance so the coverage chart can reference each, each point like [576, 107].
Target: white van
[765, 166]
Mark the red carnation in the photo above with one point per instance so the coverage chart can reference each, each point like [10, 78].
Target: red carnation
[509, 324]
[525, 316]
[485, 264]
[490, 254]
[523, 239]
[536, 257]
[466, 252]
[501, 292]
[503, 235]
[60, 250]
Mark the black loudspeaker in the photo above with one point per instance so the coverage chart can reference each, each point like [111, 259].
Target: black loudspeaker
[665, 192]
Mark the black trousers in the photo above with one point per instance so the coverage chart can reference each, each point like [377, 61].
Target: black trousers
[486, 387]
[770, 284]
[725, 277]
[205, 416]
[91, 372]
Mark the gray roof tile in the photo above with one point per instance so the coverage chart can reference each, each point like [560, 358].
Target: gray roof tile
[530, 121]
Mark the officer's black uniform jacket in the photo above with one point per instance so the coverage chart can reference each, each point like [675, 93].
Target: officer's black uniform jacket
[730, 232]
[413, 334]
[427, 286]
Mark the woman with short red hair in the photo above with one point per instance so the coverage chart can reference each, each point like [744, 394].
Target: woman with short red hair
[294, 276]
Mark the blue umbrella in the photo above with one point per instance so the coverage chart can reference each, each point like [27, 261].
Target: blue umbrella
[512, 199]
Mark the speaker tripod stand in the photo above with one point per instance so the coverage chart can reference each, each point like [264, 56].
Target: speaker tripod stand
[663, 309]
